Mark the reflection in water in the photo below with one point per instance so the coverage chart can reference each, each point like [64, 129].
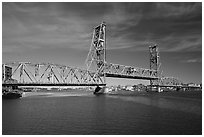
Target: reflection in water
[180, 104]
[56, 94]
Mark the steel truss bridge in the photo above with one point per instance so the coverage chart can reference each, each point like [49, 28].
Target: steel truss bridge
[97, 69]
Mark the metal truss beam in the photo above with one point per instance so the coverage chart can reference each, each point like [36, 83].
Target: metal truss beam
[121, 71]
[49, 73]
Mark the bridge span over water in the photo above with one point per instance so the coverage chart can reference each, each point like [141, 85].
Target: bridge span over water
[95, 73]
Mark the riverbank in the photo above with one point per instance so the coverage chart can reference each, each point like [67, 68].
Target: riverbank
[188, 94]
[73, 92]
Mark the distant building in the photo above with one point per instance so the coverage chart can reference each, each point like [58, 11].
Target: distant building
[185, 85]
[123, 87]
[111, 88]
[193, 85]
[140, 87]
[130, 88]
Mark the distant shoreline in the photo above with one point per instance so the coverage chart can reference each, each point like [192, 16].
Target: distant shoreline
[189, 94]
[43, 92]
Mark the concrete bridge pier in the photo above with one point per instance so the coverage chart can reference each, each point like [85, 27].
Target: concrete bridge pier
[100, 90]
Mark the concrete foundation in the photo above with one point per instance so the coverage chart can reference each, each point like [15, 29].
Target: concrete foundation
[100, 90]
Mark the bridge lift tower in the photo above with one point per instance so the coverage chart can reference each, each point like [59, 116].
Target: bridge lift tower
[96, 61]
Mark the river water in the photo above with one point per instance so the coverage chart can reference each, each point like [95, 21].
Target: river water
[82, 113]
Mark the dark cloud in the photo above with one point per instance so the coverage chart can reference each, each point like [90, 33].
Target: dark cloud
[175, 26]
[85, 10]
[171, 25]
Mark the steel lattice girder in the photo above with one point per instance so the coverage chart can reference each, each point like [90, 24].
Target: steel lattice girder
[116, 69]
[26, 72]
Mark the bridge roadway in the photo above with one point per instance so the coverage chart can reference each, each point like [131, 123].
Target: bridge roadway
[50, 84]
[73, 84]
[130, 77]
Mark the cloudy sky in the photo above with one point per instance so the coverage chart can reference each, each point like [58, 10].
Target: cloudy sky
[61, 33]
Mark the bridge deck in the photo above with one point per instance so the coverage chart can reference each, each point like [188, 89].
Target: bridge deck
[130, 77]
[50, 84]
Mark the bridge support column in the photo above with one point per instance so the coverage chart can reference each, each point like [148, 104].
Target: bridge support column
[100, 90]
[96, 59]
